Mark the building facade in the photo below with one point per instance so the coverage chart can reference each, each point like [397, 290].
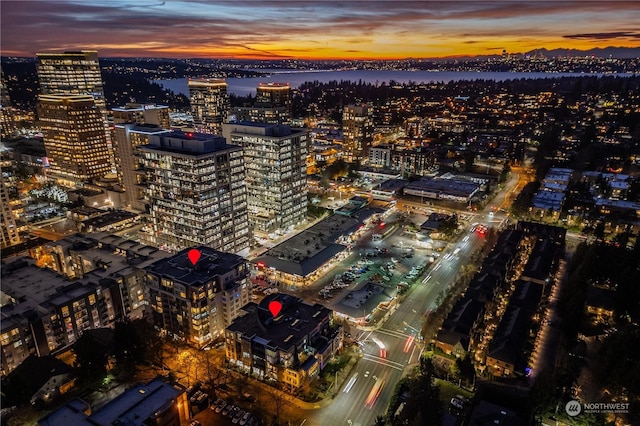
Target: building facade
[195, 302]
[209, 104]
[128, 137]
[43, 312]
[195, 187]
[10, 234]
[276, 176]
[357, 127]
[157, 115]
[74, 73]
[291, 348]
[275, 95]
[74, 138]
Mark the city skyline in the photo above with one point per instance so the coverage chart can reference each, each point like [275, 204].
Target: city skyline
[314, 30]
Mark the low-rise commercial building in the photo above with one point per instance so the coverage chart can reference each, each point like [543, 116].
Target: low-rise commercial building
[300, 260]
[448, 189]
[156, 403]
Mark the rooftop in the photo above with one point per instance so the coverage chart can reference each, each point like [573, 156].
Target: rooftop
[133, 407]
[296, 320]
[187, 143]
[108, 219]
[448, 186]
[211, 264]
[305, 252]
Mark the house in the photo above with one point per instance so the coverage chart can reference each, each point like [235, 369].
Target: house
[601, 304]
[459, 327]
[39, 379]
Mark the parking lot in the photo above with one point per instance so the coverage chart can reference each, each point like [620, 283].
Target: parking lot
[388, 259]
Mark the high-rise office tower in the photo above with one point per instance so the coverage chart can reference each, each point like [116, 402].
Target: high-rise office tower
[5, 101]
[272, 106]
[74, 137]
[75, 73]
[10, 235]
[357, 128]
[275, 161]
[275, 95]
[196, 191]
[209, 104]
[8, 114]
[128, 137]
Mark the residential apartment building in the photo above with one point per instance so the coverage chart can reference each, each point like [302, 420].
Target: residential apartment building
[291, 348]
[276, 176]
[195, 187]
[108, 258]
[157, 115]
[43, 312]
[74, 138]
[195, 302]
[357, 127]
[128, 137]
[209, 104]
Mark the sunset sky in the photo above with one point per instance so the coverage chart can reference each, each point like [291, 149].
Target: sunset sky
[366, 29]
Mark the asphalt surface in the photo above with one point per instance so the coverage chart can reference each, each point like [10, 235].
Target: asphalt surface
[391, 350]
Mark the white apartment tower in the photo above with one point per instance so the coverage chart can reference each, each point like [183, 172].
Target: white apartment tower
[209, 104]
[275, 162]
[195, 187]
[128, 137]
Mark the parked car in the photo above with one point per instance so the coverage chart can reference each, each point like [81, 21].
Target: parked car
[220, 406]
[227, 409]
[237, 416]
[245, 419]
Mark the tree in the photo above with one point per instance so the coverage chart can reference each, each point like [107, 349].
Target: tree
[423, 405]
[599, 231]
[128, 347]
[91, 358]
[380, 421]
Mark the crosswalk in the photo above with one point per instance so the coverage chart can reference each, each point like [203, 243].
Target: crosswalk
[393, 333]
[384, 361]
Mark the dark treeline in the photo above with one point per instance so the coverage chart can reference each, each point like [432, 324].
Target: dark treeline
[316, 97]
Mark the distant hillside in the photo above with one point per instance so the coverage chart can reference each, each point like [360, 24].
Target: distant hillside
[614, 52]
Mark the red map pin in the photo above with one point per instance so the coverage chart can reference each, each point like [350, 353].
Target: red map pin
[194, 256]
[275, 307]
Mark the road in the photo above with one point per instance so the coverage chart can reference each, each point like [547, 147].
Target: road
[391, 350]
[388, 352]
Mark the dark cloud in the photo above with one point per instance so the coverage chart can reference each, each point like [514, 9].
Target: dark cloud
[604, 36]
[117, 28]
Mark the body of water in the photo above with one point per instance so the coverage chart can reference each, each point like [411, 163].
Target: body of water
[246, 86]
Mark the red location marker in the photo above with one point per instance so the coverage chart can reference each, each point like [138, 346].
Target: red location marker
[275, 307]
[194, 256]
